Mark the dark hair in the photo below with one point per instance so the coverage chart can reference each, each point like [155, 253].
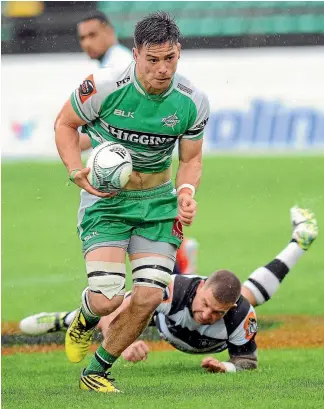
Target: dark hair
[226, 287]
[156, 28]
[95, 15]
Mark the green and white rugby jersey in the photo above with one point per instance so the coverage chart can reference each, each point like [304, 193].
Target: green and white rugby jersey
[117, 108]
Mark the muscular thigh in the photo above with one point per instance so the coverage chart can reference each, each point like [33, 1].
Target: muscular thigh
[115, 254]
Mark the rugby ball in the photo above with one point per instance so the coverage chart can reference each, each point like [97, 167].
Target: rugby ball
[110, 167]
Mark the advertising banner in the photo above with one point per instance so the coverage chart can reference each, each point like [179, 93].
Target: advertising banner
[262, 100]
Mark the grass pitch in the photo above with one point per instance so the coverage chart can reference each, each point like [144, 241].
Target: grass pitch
[286, 379]
[242, 223]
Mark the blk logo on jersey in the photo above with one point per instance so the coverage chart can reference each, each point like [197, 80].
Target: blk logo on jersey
[124, 114]
[171, 120]
[87, 89]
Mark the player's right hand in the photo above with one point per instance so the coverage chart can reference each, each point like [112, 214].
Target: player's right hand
[80, 179]
[136, 352]
[187, 208]
[213, 365]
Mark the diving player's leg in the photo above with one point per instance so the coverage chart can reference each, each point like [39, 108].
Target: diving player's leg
[45, 322]
[265, 281]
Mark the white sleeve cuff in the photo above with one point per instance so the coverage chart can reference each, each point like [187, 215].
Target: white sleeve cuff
[229, 367]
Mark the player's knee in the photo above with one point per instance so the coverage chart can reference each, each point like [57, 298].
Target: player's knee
[150, 275]
[144, 300]
[106, 282]
[102, 305]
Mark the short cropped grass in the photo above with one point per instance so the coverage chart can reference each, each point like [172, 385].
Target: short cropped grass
[286, 379]
[242, 223]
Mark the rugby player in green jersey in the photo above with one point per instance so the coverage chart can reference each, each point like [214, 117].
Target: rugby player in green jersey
[148, 108]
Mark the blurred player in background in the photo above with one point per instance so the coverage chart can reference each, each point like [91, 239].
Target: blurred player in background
[98, 39]
[195, 319]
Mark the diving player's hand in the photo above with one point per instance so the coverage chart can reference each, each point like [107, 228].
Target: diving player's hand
[212, 365]
[137, 351]
[187, 208]
[80, 179]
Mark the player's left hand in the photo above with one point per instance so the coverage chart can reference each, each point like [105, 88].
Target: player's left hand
[187, 208]
[212, 365]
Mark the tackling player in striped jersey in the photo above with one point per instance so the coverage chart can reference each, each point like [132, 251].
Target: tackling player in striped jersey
[208, 315]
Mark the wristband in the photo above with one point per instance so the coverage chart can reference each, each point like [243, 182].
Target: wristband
[229, 367]
[72, 174]
[189, 187]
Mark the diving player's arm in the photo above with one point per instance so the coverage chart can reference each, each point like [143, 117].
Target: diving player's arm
[236, 363]
[244, 362]
[242, 348]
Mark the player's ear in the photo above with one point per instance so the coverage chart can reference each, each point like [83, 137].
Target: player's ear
[200, 286]
[179, 49]
[135, 53]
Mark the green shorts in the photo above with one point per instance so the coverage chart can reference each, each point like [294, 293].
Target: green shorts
[150, 213]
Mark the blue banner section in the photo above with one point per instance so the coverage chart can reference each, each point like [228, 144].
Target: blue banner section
[266, 125]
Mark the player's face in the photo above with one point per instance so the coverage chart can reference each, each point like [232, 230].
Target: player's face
[206, 309]
[156, 65]
[95, 38]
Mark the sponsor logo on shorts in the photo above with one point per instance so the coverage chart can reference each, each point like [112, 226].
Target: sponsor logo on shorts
[91, 236]
[250, 325]
[87, 89]
[177, 229]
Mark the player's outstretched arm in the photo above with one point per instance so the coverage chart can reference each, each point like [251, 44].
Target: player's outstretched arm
[265, 281]
[188, 178]
[241, 346]
[236, 363]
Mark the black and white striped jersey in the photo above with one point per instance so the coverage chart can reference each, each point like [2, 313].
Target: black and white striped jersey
[173, 318]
